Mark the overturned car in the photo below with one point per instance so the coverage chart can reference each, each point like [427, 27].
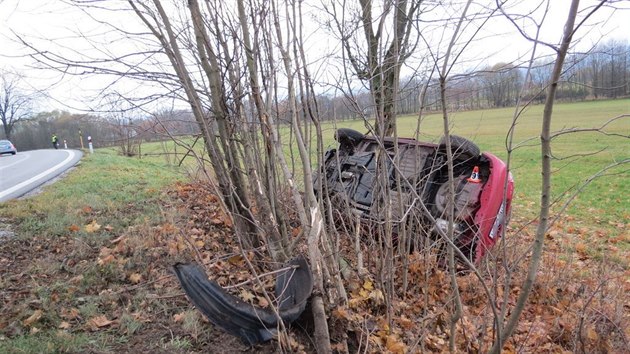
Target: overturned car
[416, 180]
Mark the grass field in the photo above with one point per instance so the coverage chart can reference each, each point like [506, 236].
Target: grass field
[60, 263]
[102, 184]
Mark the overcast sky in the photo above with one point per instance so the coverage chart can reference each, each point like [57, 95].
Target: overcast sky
[497, 42]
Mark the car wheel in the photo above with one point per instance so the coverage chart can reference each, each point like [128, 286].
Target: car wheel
[348, 140]
[350, 136]
[461, 148]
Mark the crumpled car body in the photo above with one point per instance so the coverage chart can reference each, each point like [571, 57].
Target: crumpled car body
[250, 323]
[417, 172]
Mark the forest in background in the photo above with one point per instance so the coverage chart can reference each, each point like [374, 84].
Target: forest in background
[602, 73]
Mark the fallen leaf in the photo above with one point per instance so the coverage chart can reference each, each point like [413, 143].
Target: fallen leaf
[105, 260]
[98, 322]
[104, 251]
[377, 296]
[341, 313]
[247, 296]
[355, 302]
[236, 260]
[262, 302]
[74, 228]
[592, 334]
[178, 317]
[135, 278]
[394, 345]
[406, 323]
[581, 249]
[92, 227]
[33, 318]
[77, 279]
[117, 239]
[64, 325]
[71, 314]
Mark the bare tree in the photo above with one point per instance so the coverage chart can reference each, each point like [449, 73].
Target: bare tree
[218, 58]
[571, 26]
[15, 102]
[501, 84]
[377, 39]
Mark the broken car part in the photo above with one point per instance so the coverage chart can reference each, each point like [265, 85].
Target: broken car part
[250, 323]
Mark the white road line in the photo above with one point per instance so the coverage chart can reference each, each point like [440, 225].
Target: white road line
[14, 161]
[71, 155]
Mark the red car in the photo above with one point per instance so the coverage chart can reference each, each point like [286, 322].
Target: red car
[418, 175]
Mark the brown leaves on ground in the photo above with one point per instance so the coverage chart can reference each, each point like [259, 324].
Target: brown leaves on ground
[98, 322]
[579, 302]
[121, 284]
[37, 314]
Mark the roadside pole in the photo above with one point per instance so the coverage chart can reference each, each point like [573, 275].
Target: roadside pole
[65, 144]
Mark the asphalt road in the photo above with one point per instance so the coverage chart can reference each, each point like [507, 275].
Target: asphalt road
[25, 171]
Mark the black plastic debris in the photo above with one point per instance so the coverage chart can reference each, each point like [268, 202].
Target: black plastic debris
[250, 323]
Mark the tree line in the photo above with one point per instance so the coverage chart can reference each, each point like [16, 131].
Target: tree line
[601, 73]
[126, 132]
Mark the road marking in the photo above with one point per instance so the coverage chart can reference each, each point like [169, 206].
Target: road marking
[24, 157]
[71, 155]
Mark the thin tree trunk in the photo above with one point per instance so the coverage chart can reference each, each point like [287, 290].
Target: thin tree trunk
[545, 139]
[315, 230]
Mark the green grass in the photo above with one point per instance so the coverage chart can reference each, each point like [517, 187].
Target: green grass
[105, 188]
[112, 191]
[579, 155]
[53, 342]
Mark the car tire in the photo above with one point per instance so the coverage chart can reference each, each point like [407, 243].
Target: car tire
[349, 136]
[462, 148]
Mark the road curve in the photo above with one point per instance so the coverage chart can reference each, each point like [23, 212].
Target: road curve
[21, 173]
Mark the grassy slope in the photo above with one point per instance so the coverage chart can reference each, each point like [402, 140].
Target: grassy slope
[120, 189]
[70, 220]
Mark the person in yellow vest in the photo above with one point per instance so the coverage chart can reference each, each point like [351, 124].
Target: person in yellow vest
[55, 141]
